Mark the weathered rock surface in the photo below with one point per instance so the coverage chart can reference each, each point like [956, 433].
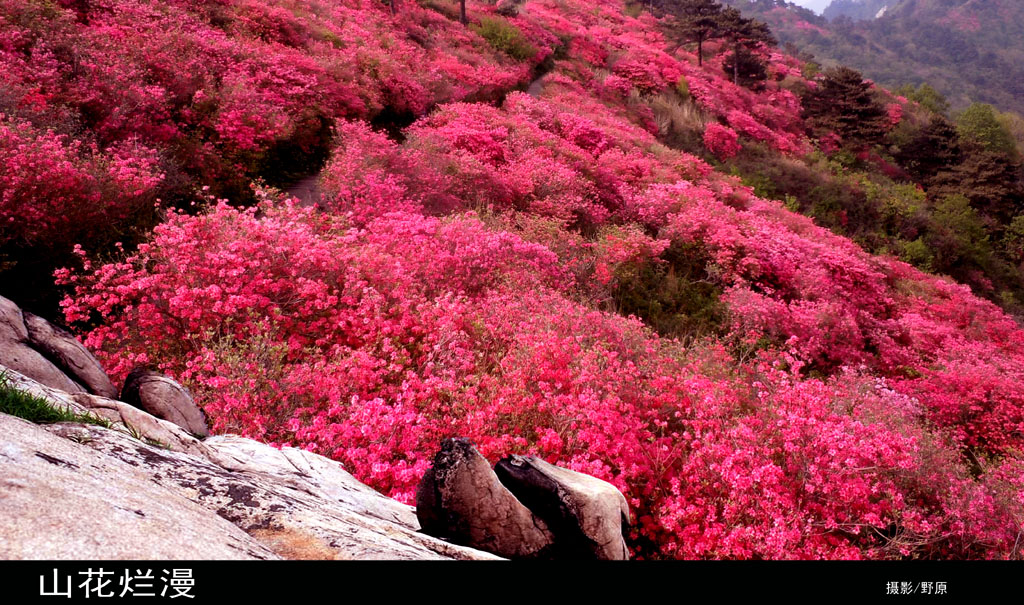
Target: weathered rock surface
[76, 491]
[69, 355]
[461, 500]
[585, 514]
[126, 418]
[12, 322]
[31, 345]
[17, 354]
[62, 501]
[509, 8]
[164, 398]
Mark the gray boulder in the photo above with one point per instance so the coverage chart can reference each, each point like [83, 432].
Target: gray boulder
[164, 398]
[12, 322]
[62, 501]
[69, 355]
[586, 515]
[145, 489]
[508, 8]
[461, 500]
[17, 353]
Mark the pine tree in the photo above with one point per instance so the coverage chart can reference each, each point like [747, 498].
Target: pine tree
[692, 21]
[743, 33]
[748, 71]
[844, 103]
[936, 147]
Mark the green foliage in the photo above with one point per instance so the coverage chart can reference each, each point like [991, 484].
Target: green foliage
[929, 150]
[1014, 124]
[981, 124]
[917, 253]
[750, 72]
[505, 37]
[18, 403]
[903, 207]
[692, 21]
[810, 69]
[960, 233]
[991, 180]
[1013, 239]
[762, 184]
[683, 87]
[927, 97]
[973, 52]
[676, 297]
[955, 213]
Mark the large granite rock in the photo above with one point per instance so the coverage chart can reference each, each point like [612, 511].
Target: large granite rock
[586, 515]
[17, 353]
[461, 500]
[63, 501]
[33, 346]
[69, 355]
[146, 489]
[523, 508]
[164, 398]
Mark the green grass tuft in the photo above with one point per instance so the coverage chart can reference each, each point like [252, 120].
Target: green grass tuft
[505, 37]
[36, 409]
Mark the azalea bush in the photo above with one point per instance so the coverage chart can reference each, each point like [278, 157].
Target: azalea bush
[539, 273]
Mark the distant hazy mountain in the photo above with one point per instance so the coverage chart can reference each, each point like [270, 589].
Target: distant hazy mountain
[970, 50]
[857, 10]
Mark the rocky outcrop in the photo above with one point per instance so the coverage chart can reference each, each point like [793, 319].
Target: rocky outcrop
[36, 348]
[69, 355]
[460, 499]
[523, 508]
[586, 515]
[145, 488]
[164, 398]
[32, 346]
[62, 501]
[17, 353]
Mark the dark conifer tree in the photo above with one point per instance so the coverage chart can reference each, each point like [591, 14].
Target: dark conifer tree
[935, 148]
[742, 33]
[844, 103]
[692, 21]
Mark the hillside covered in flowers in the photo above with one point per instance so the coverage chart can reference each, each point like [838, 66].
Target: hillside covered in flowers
[553, 229]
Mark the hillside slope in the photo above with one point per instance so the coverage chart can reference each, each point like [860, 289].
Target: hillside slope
[969, 50]
[541, 242]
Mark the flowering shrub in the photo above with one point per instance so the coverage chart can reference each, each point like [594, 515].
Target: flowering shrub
[478, 276]
[55, 192]
[721, 140]
[895, 113]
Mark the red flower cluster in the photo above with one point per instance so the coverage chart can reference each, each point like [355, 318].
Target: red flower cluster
[460, 281]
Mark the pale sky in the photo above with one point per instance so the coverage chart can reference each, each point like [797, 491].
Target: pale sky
[815, 5]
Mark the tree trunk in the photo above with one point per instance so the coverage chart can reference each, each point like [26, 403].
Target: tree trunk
[700, 52]
[736, 64]
[462, 12]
